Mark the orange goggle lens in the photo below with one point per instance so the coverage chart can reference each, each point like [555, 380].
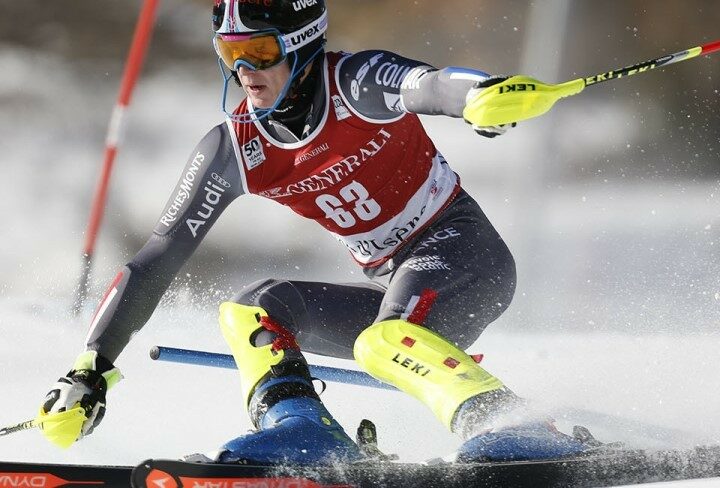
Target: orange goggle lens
[258, 50]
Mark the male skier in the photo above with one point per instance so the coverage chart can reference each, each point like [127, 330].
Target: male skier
[336, 138]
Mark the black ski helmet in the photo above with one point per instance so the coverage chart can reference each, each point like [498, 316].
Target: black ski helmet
[286, 16]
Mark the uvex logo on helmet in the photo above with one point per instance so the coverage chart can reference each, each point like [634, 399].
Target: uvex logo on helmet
[309, 33]
[301, 4]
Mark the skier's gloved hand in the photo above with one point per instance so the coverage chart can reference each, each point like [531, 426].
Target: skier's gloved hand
[76, 403]
[471, 98]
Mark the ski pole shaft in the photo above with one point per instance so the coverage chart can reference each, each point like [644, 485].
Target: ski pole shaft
[217, 360]
[136, 56]
[30, 424]
[666, 60]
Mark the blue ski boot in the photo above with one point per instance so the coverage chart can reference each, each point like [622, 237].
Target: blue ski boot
[292, 424]
[509, 440]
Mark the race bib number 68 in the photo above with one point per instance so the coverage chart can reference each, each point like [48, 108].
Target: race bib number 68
[365, 207]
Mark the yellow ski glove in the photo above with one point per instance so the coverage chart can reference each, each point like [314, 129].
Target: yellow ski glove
[76, 403]
[485, 130]
[502, 101]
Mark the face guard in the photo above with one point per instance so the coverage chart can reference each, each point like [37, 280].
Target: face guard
[262, 50]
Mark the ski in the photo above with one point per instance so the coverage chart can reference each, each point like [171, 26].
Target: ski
[604, 468]
[597, 469]
[16, 475]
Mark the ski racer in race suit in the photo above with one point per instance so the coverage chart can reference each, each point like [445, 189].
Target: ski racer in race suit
[335, 137]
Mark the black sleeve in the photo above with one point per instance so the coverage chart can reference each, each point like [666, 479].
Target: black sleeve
[381, 85]
[209, 183]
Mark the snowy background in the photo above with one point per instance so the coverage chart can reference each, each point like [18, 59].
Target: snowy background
[610, 205]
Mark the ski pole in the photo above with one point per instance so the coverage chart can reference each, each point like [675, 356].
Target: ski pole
[30, 424]
[217, 360]
[138, 48]
[521, 97]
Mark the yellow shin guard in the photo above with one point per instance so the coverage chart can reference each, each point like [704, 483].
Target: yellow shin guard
[423, 364]
[239, 324]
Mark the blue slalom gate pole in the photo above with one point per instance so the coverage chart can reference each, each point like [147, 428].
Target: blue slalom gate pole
[226, 361]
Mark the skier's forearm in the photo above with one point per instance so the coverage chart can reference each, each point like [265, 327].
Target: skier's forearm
[209, 182]
[439, 92]
[134, 295]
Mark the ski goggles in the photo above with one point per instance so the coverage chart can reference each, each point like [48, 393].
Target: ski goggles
[264, 49]
[257, 51]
